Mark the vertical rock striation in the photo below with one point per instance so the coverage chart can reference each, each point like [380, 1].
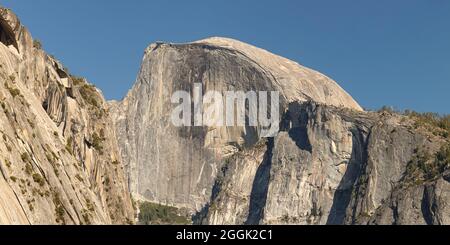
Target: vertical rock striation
[59, 158]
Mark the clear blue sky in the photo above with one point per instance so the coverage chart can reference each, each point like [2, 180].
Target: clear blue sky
[382, 52]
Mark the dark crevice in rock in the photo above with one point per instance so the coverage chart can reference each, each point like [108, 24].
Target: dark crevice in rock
[200, 218]
[446, 177]
[343, 194]
[260, 187]
[429, 206]
[45, 104]
[7, 36]
[70, 93]
[395, 214]
[295, 123]
[359, 187]
[61, 73]
[218, 183]
[426, 209]
[300, 136]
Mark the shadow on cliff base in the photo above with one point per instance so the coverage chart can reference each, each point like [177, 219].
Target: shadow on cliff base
[343, 194]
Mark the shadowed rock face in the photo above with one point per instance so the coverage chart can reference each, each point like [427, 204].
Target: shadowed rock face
[9, 27]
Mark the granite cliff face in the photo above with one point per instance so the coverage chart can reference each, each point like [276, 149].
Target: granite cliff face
[178, 166]
[59, 158]
[69, 157]
[332, 163]
[333, 166]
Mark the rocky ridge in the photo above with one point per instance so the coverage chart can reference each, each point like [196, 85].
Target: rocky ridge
[334, 166]
[59, 158]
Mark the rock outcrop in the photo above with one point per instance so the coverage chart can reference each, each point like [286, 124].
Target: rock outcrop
[333, 166]
[59, 157]
[332, 163]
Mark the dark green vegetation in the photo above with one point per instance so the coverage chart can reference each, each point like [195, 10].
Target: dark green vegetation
[157, 214]
[437, 124]
[426, 166]
[37, 44]
[97, 142]
[87, 91]
[59, 208]
[77, 81]
[89, 94]
[13, 91]
[39, 179]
